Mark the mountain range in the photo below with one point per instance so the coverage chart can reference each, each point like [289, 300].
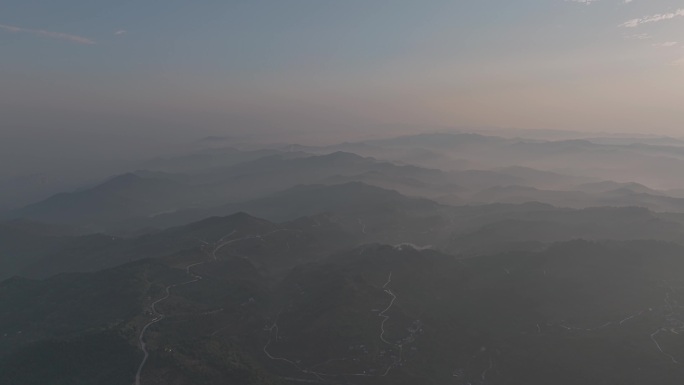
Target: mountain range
[446, 258]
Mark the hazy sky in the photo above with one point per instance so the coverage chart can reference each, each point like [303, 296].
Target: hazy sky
[211, 65]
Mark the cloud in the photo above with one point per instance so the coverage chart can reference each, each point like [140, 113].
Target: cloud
[640, 36]
[678, 63]
[48, 34]
[120, 32]
[589, 2]
[652, 19]
[666, 44]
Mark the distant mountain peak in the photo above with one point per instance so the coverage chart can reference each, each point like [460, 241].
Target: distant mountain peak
[341, 156]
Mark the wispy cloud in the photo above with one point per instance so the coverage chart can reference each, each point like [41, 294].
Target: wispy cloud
[653, 19]
[666, 44]
[639, 36]
[589, 2]
[120, 32]
[678, 63]
[47, 34]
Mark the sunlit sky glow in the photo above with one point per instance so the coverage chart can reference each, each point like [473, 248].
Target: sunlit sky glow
[589, 65]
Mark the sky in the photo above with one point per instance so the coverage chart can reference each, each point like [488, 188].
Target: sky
[179, 69]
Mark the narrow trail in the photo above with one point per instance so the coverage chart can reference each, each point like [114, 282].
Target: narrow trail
[309, 372]
[622, 321]
[273, 336]
[221, 243]
[382, 313]
[653, 338]
[274, 330]
[158, 316]
[382, 325]
[290, 362]
[672, 323]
